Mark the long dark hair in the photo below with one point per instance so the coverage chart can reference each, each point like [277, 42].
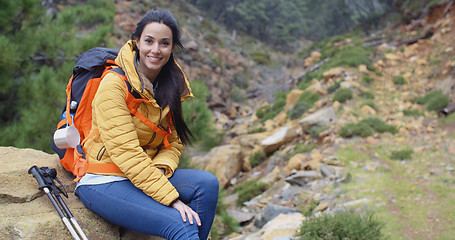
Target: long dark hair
[170, 81]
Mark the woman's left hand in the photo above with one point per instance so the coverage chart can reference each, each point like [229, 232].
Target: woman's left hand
[185, 210]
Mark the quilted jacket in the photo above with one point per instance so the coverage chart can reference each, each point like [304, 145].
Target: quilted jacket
[126, 141]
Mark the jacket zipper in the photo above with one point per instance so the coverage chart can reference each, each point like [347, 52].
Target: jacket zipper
[100, 153]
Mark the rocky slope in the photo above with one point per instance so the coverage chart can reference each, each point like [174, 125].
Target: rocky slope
[402, 192]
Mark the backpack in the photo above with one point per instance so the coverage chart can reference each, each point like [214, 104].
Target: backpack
[89, 71]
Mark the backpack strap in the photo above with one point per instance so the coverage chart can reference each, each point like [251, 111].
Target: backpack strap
[133, 100]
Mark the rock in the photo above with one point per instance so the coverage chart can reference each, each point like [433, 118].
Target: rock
[323, 205]
[27, 213]
[363, 68]
[333, 73]
[368, 110]
[224, 161]
[292, 98]
[322, 117]
[303, 177]
[279, 138]
[241, 217]
[269, 212]
[296, 162]
[284, 226]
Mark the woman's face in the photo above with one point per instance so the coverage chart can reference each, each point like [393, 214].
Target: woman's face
[155, 47]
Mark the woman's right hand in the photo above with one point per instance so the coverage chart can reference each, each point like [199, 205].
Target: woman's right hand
[185, 210]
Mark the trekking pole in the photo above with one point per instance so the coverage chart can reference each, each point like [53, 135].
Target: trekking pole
[45, 178]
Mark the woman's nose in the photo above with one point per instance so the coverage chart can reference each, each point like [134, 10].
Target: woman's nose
[155, 48]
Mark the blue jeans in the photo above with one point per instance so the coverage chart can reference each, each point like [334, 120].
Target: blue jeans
[123, 204]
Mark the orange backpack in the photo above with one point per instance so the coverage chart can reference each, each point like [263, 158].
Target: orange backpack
[90, 69]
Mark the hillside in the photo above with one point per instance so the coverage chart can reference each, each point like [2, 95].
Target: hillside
[404, 174]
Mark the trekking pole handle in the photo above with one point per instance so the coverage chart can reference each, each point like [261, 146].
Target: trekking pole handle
[35, 172]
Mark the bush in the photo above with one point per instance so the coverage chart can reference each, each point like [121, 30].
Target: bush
[399, 80]
[303, 148]
[343, 95]
[269, 112]
[356, 129]
[366, 94]
[334, 87]
[298, 110]
[370, 103]
[316, 130]
[304, 103]
[437, 102]
[261, 58]
[367, 79]
[402, 154]
[341, 225]
[199, 118]
[224, 224]
[412, 112]
[379, 126]
[249, 189]
[257, 158]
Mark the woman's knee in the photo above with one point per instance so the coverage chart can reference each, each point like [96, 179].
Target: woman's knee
[210, 180]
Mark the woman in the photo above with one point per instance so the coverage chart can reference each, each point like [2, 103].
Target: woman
[148, 194]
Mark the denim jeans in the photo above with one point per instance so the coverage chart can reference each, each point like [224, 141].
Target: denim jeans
[123, 204]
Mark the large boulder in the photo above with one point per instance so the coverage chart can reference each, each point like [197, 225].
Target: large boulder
[27, 213]
[224, 161]
[282, 136]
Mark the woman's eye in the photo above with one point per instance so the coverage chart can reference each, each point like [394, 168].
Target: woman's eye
[148, 40]
[165, 43]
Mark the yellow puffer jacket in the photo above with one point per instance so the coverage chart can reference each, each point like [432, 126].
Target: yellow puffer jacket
[126, 141]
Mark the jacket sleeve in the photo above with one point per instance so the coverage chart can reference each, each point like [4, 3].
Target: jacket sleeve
[120, 138]
[168, 159]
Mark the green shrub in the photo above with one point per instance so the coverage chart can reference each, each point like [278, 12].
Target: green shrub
[309, 206]
[257, 130]
[199, 118]
[316, 130]
[257, 158]
[303, 148]
[366, 94]
[437, 102]
[402, 154]
[379, 126]
[399, 80]
[334, 87]
[343, 95]
[356, 129]
[367, 79]
[412, 112]
[341, 225]
[269, 112]
[370, 103]
[262, 58]
[249, 189]
[304, 103]
[224, 224]
[298, 110]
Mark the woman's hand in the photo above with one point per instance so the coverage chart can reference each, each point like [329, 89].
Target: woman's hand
[186, 211]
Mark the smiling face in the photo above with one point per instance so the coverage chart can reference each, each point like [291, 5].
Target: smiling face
[155, 47]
